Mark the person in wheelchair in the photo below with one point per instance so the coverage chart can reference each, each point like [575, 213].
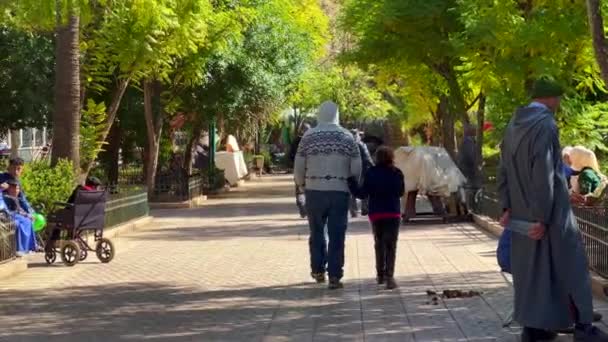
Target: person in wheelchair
[91, 184]
[26, 237]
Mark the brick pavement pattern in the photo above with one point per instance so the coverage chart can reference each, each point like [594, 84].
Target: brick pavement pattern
[237, 270]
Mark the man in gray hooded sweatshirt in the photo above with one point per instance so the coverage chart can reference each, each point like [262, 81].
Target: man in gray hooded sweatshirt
[327, 156]
[550, 272]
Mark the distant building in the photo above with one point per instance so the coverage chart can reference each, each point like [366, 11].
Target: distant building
[32, 143]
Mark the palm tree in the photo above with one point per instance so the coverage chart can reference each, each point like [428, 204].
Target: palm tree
[66, 116]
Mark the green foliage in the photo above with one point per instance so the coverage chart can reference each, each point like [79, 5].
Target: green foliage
[250, 80]
[26, 79]
[584, 123]
[92, 125]
[44, 185]
[427, 49]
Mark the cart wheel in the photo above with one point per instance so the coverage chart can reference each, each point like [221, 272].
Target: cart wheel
[105, 250]
[50, 257]
[83, 254]
[70, 253]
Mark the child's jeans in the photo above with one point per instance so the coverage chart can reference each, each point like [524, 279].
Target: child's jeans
[386, 233]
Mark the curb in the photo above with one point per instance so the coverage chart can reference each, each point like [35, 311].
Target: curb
[599, 285]
[195, 202]
[19, 265]
[127, 227]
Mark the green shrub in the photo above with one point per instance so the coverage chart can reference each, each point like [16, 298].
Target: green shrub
[45, 185]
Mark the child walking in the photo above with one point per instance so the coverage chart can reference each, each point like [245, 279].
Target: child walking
[383, 186]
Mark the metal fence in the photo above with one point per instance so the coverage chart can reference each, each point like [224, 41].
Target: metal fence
[177, 187]
[592, 222]
[126, 205]
[8, 241]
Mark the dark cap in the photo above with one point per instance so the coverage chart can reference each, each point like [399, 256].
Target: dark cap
[16, 162]
[546, 87]
[12, 181]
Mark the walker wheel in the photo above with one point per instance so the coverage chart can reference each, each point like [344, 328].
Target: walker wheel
[50, 257]
[70, 253]
[83, 254]
[105, 250]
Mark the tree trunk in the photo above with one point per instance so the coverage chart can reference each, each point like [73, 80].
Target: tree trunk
[596, 23]
[447, 127]
[15, 143]
[197, 130]
[66, 116]
[111, 113]
[154, 130]
[456, 102]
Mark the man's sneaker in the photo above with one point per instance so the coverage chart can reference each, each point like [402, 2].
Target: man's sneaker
[597, 316]
[589, 333]
[318, 277]
[334, 284]
[391, 283]
[380, 280]
[537, 335]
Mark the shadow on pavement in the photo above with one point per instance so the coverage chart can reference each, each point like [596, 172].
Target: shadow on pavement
[161, 312]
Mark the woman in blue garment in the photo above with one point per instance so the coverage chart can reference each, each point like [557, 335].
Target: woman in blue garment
[25, 235]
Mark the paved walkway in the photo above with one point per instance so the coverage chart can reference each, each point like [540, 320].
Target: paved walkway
[237, 270]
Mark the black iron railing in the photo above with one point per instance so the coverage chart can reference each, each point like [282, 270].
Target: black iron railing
[8, 241]
[592, 222]
[177, 187]
[125, 206]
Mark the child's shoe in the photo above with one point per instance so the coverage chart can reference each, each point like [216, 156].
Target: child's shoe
[391, 283]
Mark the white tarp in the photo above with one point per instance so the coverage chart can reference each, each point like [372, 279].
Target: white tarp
[428, 169]
[233, 164]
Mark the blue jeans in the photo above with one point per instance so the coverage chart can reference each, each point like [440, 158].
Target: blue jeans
[327, 208]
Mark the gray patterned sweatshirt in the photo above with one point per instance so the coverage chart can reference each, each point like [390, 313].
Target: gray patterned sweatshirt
[327, 155]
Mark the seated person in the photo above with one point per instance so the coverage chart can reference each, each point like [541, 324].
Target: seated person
[15, 169]
[26, 237]
[587, 179]
[91, 184]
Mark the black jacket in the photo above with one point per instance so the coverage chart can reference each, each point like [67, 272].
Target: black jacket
[383, 186]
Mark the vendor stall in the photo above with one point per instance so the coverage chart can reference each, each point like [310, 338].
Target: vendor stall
[233, 164]
[430, 172]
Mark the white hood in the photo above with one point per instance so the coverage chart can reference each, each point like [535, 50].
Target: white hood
[328, 114]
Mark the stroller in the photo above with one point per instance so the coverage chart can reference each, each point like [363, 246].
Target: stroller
[74, 221]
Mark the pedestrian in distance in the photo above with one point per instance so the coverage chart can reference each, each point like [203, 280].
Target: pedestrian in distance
[383, 186]
[327, 156]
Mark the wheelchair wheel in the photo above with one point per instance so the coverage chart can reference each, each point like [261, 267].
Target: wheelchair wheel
[50, 257]
[70, 253]
[83, 254]
[105, 250]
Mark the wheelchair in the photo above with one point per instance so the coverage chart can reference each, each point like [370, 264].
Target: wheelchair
[69, 227]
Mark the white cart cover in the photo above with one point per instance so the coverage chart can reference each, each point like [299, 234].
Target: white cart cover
[233, 164]
[428, 169]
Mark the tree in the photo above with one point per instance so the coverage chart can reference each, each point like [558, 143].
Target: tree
[62, 17]
[251, 78]
[415, 33]
[66, 115]
[596, 24]
[26, 79]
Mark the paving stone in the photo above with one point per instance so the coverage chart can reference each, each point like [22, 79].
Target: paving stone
[237, 269]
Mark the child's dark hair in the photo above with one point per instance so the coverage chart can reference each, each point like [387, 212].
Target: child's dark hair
[385, 156]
